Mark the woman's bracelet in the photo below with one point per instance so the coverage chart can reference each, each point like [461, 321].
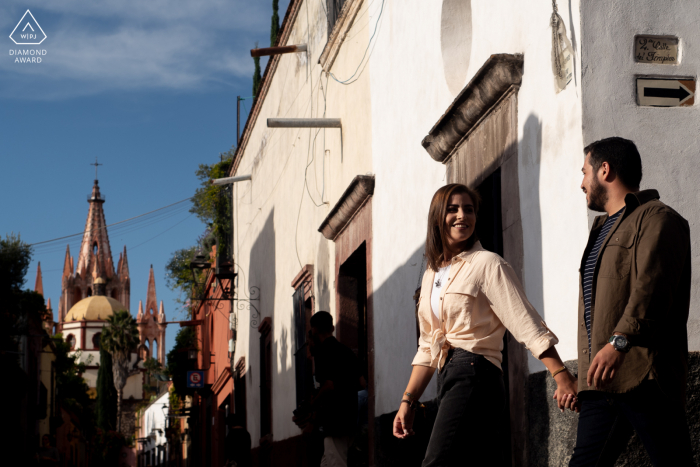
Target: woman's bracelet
[413, 405]
[563, 368]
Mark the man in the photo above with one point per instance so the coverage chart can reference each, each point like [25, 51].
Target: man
[335, 405]
[633, 313]
[237, 442]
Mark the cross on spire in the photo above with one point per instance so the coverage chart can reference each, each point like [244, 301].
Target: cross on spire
[96, 164]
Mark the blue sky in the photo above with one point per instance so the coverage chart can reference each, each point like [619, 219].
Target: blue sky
[147, 87]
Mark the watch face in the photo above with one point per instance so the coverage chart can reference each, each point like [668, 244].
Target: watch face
[620, 342]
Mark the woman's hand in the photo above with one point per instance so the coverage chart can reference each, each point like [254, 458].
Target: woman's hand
[403, 423]
[567, 390]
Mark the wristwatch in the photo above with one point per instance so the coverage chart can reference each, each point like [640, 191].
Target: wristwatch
[620, 343]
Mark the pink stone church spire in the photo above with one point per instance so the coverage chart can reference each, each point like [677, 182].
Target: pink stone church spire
[95, 244]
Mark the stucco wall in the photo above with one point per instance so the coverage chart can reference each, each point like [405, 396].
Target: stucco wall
[409, 93]
[666, 137]
[277, 214]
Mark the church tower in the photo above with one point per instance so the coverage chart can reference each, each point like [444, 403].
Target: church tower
[151, 324]
[94, 262]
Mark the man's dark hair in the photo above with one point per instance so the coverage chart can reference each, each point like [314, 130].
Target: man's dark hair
[322, 321]
[622, 156]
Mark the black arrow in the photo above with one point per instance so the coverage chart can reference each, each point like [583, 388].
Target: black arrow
[679, 93]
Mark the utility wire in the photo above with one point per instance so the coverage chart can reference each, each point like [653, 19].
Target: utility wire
[120, 222]
[376, 25]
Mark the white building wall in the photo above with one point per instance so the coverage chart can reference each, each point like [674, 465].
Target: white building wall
[89, 334]
[667, 138]
[277, 214]
[153, 419]
[409, 93]
[75, 329]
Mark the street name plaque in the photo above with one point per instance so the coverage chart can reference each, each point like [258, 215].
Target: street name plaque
[657, 50]
[665, 92]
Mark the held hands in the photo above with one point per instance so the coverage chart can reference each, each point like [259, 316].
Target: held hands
[403, 423]
[567, 389]
[604, 366]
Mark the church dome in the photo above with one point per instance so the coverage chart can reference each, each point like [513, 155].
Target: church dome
[95, 308]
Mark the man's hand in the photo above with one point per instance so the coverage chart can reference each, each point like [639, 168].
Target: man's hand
[605, 365]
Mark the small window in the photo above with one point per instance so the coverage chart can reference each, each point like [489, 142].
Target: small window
[71, 341]
[334, 7]
[96, 340]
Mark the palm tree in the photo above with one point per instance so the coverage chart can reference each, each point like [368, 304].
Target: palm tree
[120, 337]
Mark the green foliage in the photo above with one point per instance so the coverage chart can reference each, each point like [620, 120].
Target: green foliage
[106, 447]
[275, 27]
[71, 388]
[178, 362]
[15, 256]
[206, 197]
[178, 275]
[17, 304]
[152, 366]
[211, 205]
[257, 77]
[106, 411]
[120, 337]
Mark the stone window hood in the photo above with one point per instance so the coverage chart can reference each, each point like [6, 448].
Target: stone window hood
[490, 84]
[351, 201]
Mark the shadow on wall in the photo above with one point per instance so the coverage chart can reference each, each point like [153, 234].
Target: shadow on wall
[532, 213]
[397, 293]
[261, 274]
[323, 291]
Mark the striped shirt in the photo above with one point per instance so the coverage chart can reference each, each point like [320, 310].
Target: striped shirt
[589, 269]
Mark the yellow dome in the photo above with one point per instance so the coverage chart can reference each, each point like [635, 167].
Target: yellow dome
[95, 308]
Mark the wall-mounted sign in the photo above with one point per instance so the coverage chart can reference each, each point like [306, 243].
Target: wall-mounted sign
[665, 92]
[195, 379]
[659, 50]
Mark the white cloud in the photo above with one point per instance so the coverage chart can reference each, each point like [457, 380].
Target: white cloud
[96, 46]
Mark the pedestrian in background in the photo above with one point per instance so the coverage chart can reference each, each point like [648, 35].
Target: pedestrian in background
[469, 297]
[238, 444]
[334, 407]
[633, 313]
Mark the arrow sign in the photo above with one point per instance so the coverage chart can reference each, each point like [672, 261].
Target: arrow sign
[665, 92]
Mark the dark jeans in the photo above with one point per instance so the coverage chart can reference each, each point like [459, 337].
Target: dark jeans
[471, 398]
[606, 423]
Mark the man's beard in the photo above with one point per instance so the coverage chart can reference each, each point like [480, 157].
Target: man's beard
[598, 197]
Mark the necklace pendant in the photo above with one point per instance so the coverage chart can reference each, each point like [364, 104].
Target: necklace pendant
[438, 283]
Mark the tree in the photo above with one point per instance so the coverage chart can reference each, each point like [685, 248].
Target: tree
[275, 27]
[71, 389]
[120, 337]
[15, 256]
[257, 78]
[106, 393]
[177, 361]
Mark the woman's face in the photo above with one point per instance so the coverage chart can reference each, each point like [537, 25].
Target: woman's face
[460, 220]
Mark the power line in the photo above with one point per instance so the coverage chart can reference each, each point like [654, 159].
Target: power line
[376, 25]
[110, 225]
[156, 236]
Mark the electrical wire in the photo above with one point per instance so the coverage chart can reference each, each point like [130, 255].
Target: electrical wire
[376, 26]
[110, 225]
[156, 236]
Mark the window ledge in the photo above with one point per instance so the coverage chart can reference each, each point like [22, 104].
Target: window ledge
[340, 31]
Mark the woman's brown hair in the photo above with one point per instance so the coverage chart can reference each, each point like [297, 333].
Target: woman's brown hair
[437, 236]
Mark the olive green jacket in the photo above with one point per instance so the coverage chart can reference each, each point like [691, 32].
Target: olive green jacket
[641, 288]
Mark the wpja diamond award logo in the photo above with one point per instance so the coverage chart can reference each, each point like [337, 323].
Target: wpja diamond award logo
[28, 32]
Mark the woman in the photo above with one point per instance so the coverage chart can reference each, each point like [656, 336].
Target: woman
[469, 297]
